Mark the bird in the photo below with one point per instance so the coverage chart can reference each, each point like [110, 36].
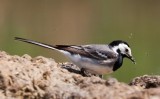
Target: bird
[96, 59]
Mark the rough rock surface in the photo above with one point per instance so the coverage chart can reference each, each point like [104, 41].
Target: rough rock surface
[42, 78]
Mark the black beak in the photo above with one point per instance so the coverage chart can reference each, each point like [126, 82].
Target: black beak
[132, 59]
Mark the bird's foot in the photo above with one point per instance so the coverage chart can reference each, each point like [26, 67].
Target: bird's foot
[85, 73]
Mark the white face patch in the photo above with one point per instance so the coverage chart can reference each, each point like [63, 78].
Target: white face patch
[123, 49]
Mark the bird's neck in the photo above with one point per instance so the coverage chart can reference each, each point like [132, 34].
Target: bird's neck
[118, 63]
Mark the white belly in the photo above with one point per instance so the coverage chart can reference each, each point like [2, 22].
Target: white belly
[90, 65]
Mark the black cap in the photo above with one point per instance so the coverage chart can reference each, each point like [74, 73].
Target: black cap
[117, 42]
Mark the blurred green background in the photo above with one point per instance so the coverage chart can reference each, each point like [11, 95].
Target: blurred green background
[84, 22]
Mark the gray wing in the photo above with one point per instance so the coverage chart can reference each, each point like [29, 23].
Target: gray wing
[101, 52]
[95, 51]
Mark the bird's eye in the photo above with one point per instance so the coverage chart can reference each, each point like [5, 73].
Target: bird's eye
[126, 50]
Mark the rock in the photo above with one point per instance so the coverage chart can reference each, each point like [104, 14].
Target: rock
[146, 81]
[42, 78]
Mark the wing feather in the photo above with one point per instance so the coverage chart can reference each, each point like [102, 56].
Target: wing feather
[99, 52]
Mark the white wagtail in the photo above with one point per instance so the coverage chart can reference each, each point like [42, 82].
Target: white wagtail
[94, 58]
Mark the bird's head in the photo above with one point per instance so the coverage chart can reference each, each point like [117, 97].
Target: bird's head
[122, 47]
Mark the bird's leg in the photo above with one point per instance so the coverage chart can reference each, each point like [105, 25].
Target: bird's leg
[100, 76]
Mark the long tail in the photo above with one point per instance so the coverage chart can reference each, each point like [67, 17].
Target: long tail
[36, 43]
